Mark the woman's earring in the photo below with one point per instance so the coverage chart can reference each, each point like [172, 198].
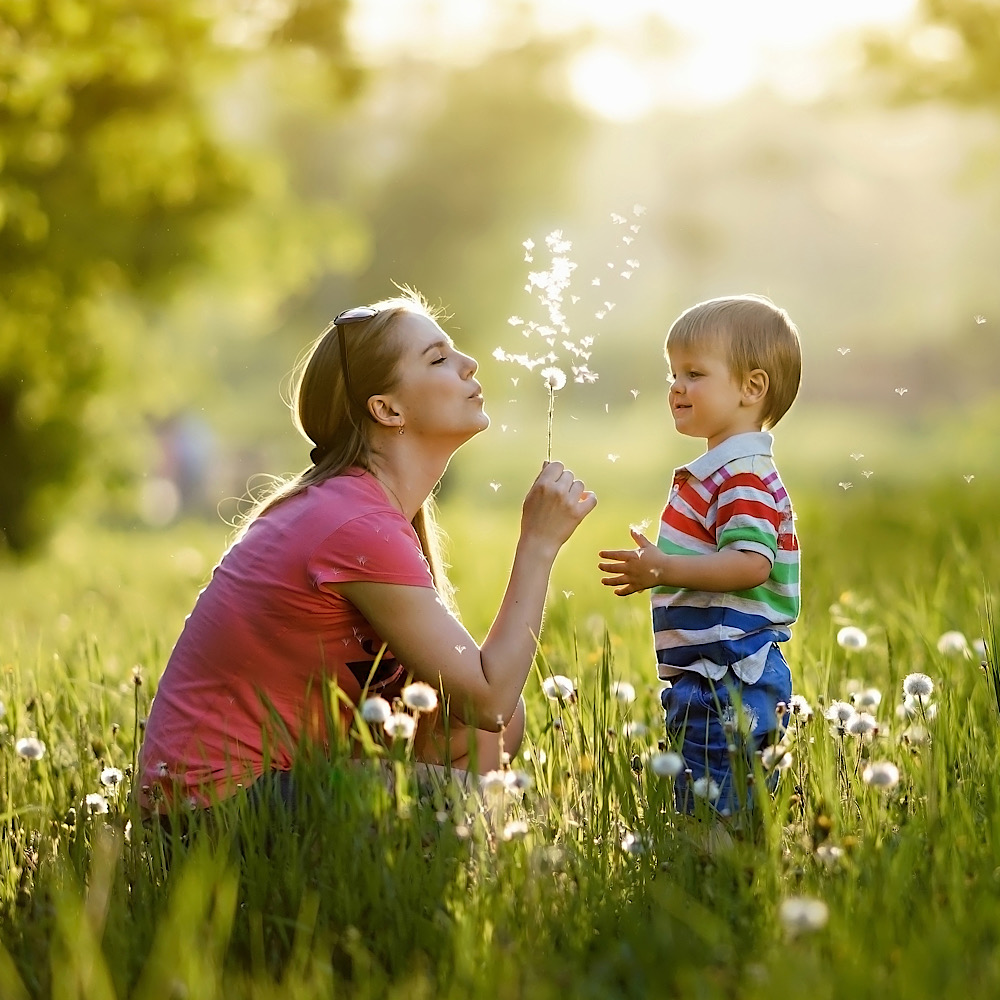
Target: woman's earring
[400, 428]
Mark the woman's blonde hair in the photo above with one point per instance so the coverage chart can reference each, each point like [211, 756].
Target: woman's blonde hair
[324, 414]
[756, 334]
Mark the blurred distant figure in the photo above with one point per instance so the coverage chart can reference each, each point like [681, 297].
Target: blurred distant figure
[724, 573]
[180, 484]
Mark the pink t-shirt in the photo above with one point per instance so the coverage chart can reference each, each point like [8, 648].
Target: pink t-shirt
[264, 634]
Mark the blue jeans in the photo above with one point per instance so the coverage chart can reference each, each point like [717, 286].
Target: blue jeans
[719, 725]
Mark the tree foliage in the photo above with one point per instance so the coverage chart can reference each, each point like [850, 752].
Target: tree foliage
[950, 51]
[113, 171]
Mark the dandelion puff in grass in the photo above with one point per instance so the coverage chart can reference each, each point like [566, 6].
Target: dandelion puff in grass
[869, 698]
[881, 774]
[863, 725]
[30, 748]
[852, 637]
[706, 788]
[918, 686]
[666, 764]
[633, 844]
[111, 777]
[916, 735]
[400, 726]
[776, 757]
[420, 697]
[634, 730]
[375, 711]
[830, 854]
[953, 644]
[95, 804]
[516, 829]
[623, 691]
[801, 708]
[917, 707]
[802, 915]
[840, 712]
[558, 687]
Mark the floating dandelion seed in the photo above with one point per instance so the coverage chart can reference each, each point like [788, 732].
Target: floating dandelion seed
[857, 455]
[574, 299]
[632, 263]
[515, 321]
[503, 427]
[801, 915]
[881, 774]
[623, 691]
[375, 710]
[567, 594]
[30, 748]
[613, 458]
[635, 393]
[528, 244]
[400, 726]
[95, 804]
[918, 686]
[595, 281]
[980, 319]
[627, 240]
[666, 764]
[640, 526]
[618, 220]
[901, 390]
[851, 637]
[843, 350]
[494, 486]
[968, 479]
[626, 275]
[420, 697]
[845, 486]
[461, 649]
[638, 209]
[558, 687]
[954, 644]
[867, 473]
[111, 777]
[706, 788]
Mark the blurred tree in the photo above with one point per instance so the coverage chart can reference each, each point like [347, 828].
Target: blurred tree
[950, 51]
[115, 178]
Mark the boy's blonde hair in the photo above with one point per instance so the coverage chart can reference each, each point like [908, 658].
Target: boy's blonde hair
[756, 334]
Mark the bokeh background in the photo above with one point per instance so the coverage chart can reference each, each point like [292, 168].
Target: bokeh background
[189, 191]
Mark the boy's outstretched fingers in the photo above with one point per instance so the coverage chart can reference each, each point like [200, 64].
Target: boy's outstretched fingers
[630, 574]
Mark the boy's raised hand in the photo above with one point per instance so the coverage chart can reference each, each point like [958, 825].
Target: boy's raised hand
[634, 570]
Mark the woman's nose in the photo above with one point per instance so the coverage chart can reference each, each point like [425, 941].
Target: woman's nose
[471, 365]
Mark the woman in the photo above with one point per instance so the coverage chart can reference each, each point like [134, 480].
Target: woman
[337, 575]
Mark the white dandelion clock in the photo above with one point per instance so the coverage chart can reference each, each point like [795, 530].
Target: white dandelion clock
[634, 730]
[95, 804]
[111, 777]
[801, 708]
[830, 854]
[881, 774]
[953, 644]
[623, 691]
[776, 757]
[852, 637]
[30, 748]
[839, 712]
[555, 379]
[375, 711]
[867, 700]
[420, 697]
[516, 829]
[863, 725]
[666, 764]
[706, 788]
[558, 687]
[918, 686]
[802, 915]
[400, 726]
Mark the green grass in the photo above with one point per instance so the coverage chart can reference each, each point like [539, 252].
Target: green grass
[414, 892]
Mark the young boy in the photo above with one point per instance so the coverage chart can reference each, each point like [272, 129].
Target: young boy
[724, 573]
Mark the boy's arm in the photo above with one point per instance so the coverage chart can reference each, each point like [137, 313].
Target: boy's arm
[645, 567]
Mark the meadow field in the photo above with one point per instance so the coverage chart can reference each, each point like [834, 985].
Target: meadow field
[571, 876]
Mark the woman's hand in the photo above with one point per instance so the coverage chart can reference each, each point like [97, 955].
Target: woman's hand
[555, 504]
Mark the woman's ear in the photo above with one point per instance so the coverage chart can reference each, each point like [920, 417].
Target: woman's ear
[383, 412]
[755, 386]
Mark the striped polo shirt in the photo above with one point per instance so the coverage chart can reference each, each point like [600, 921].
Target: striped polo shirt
[730, 496]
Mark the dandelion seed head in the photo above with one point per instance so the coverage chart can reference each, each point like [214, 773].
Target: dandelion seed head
[830, 854]
[881, 774]
[420, 697]
[802, 915]
[558, 687]
[95, 803]
[516, 829]
[916, 735]
[851, 637]
[839, 712]
[800, 707]
[953, 644]
[863, 725]
[666, 764]
[555, 378]
[706, 788]
[867, 699]
[623, 691]
[30, 748]
[918, 686]
[375, 710]
[776, 757]
[111, 777]
[400, 726]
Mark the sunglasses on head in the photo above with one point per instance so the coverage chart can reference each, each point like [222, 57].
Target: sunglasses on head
[358, 314]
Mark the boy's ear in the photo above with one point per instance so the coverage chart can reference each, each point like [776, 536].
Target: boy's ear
[755, 386]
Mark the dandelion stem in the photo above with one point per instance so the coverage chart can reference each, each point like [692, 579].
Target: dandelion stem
[552, 406]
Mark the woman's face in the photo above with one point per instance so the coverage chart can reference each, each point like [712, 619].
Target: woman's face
[437, 393]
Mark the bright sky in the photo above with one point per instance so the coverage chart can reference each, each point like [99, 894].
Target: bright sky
[686, 53]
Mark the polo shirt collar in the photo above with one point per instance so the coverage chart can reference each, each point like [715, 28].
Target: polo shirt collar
[738, 446]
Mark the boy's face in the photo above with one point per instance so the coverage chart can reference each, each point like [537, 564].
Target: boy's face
[706, 399]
